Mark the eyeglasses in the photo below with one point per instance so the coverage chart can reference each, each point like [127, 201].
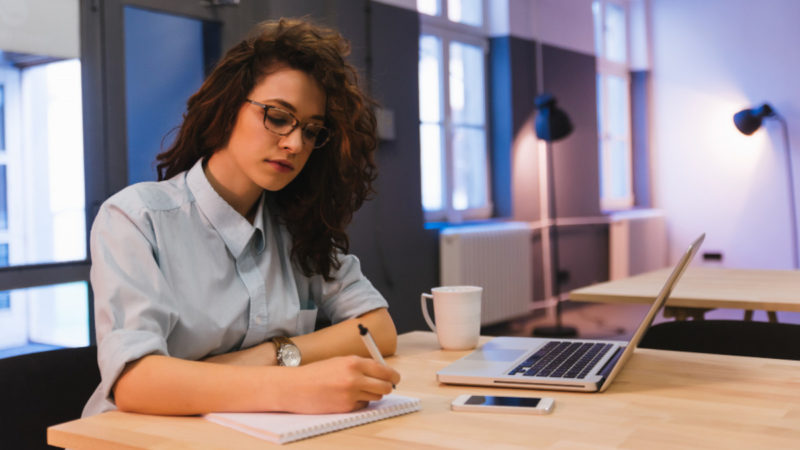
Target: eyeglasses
[283, 123]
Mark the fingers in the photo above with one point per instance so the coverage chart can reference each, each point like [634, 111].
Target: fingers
[378, 380]
[361, 404]
[376, 370]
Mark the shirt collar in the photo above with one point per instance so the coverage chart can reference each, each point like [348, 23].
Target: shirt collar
[234, 229]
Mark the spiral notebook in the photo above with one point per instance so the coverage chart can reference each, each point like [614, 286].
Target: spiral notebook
[286, 427]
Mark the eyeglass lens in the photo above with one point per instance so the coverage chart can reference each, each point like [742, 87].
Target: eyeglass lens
[283, 123]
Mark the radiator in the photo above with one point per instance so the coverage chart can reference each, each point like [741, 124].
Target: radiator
[497, 257]
[637, 243]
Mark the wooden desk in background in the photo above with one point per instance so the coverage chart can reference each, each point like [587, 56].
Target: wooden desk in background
[705, 288]
[662, 399]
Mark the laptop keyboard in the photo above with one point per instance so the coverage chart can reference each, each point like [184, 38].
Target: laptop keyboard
[562, 359]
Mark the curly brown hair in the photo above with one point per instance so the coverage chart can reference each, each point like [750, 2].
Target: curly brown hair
[319, 203]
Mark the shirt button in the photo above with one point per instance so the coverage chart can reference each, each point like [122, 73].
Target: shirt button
[259, 320]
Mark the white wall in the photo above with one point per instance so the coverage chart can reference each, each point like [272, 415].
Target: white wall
[41, 27]
[709, 60]
[566, 24]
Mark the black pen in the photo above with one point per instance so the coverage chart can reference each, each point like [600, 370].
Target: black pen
[371, 347]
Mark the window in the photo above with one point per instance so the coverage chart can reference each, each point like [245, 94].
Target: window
[613, 104]
[52, 76]
[44, 299]
[452, 100]
[44, 318]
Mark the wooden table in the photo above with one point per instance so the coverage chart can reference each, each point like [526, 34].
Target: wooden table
[705, 288]
[662, 399]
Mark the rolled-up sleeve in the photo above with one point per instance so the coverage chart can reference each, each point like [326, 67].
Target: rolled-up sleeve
[134, 311]
[349, 294]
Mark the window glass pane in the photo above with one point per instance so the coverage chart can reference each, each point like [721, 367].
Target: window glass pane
[44, 178]
[430, 7]
[465, 11]
[598, 28]
[606, 174]
[617, 107]
[615, 33]
[469, 168]
[619, 183]
[466, 84]
[430, 80]
[615, 176]
[2, 118]
[42, 119]
[3, 207]
[432, 156]
[600, 102]
[45, 317]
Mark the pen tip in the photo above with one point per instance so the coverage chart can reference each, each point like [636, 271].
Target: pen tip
[362, 329]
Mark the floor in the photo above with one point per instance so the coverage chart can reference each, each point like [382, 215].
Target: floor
[610, 321]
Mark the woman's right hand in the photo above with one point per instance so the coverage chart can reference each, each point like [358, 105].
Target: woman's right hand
[336, 385]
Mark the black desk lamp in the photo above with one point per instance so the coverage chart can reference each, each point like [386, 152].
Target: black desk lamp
[552, 124]
[748, 121]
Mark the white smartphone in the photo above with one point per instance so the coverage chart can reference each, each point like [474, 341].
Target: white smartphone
[493, 403]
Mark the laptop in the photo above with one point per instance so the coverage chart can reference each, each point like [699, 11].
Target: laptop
[560, 364]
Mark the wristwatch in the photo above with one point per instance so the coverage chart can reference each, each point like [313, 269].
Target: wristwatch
[287, 353]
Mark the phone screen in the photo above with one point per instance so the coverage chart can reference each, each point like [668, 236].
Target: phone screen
[491, 400]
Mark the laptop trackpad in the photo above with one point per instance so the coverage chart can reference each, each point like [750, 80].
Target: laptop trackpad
[495, 354]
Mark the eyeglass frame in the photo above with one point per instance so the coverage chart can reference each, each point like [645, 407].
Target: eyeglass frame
[295, 125]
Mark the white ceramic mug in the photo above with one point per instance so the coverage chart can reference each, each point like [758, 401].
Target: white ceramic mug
[458, 315]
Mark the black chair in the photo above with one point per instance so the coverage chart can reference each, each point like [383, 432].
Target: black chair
[42, 389]
[728, 337]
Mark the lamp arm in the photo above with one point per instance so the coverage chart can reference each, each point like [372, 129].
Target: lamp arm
[790, 181]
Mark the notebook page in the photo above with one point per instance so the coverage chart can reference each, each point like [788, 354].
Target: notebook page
[286, 427]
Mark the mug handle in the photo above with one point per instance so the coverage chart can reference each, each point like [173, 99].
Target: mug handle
[425, 310]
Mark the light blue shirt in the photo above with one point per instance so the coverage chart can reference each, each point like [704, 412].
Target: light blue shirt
[177, 271]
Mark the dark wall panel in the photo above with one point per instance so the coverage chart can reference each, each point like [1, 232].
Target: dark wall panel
[512, 78]
[349, 17]
[640, 81]
[524, 155]
[398, 255]
[523, 81]
[583, 250]
[571, 78]
[501, 120]
[388, 233]
[584, 255]
[523, 84]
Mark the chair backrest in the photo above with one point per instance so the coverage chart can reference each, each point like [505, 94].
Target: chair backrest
[42, 389]
[728, 337]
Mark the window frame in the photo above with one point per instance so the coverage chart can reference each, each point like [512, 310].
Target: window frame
[447, 32]
[101, 37]
[53, 273]
[605, 69]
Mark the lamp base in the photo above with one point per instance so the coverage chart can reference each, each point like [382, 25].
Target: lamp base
[556, 331]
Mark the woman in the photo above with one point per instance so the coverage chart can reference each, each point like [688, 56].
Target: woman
[206, 283]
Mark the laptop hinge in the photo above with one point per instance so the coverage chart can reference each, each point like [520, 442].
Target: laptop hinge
[609, 366]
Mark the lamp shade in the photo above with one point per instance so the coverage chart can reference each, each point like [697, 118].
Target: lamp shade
[749, 120]
[551, 123]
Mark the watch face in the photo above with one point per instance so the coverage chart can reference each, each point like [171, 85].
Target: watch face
[290, 355]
